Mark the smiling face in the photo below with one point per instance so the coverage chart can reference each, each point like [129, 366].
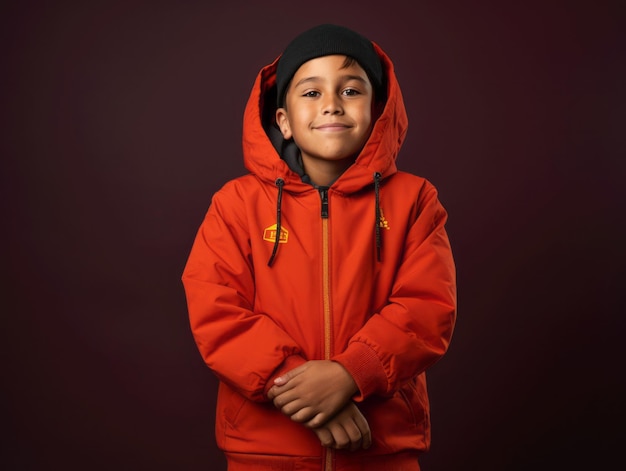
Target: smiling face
[328, 113]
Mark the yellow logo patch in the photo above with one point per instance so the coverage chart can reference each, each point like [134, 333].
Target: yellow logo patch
[269, 234]
[383, 222]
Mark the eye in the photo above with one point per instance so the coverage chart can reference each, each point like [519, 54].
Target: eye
[311, 94]
[350, 92]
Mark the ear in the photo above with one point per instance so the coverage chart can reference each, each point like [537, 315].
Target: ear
[283, 123]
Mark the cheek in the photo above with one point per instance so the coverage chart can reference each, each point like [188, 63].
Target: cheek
[367, 118]
[299, 121]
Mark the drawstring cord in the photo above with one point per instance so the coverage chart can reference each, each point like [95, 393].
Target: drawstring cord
[377, 176]
[279, 183]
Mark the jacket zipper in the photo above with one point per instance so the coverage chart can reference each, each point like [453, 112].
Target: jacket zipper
[325, 273]
[328, 466]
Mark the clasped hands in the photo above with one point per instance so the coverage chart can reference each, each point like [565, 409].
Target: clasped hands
[318, 395]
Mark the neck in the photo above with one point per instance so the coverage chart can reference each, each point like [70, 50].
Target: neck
[325, 172]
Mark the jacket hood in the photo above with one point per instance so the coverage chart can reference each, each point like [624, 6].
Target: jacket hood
[262, 139]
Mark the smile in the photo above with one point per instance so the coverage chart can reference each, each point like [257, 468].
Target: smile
[332, 127]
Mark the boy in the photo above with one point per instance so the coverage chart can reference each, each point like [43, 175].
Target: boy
[321, 286]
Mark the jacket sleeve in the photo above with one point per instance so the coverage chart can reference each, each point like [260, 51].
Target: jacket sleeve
[413, 330]
[244, 348]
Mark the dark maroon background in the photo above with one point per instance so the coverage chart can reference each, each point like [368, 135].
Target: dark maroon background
[120, 120]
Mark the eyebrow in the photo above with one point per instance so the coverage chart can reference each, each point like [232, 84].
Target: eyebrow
[316, 78]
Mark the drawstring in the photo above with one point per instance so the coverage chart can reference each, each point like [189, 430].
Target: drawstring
[377, 176]
[279, 183]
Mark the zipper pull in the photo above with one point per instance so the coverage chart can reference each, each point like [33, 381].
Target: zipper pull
[324, 196]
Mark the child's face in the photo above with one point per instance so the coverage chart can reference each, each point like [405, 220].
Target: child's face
[328, 109]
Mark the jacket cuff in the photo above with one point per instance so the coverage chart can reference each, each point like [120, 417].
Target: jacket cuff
[366, 369]
[288, 364]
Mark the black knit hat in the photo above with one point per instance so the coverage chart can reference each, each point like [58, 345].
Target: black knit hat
[325, 40]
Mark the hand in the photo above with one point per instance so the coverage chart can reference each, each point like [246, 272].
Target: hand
[313, 392]
[347, 430]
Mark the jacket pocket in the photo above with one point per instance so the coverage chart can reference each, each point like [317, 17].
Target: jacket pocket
[415, 394]
[229, 404]
[402, 421]
[415, 397]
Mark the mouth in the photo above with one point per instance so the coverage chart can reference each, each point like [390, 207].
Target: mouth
[332, 127]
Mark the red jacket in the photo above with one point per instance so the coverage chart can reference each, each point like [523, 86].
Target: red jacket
[362, 274]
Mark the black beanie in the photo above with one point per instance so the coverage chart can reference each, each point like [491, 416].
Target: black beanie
[325, 40]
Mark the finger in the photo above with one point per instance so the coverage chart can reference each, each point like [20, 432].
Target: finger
[366, 433]
[354, 435]
[284, 398]
[309, 416]
[297, 408]
[298, 412]
[278, 390]
[317, 420]
[285, 377]
[340, 437]
[366, 439]
[325, 437]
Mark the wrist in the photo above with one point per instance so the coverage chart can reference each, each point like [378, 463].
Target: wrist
[348, 383]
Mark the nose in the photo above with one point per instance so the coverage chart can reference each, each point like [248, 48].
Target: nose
[331, 104]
